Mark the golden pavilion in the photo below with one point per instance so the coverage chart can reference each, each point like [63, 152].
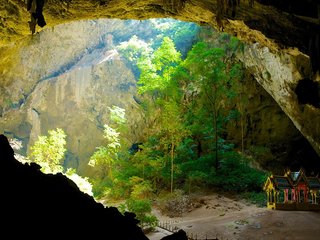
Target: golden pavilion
[293, 191]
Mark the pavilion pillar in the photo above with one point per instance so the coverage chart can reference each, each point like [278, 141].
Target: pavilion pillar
[286, 195]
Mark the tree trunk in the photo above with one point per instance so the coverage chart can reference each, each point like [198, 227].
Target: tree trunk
[172, 156]
[216, 140]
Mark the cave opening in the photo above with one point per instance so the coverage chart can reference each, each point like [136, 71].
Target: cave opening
[308, 92]
[107, 51]
[67, 92]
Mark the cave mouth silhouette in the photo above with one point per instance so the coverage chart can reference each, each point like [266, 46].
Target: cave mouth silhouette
[308, 92]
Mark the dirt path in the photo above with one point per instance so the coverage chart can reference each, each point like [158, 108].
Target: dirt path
[275, 224]
[223, 218]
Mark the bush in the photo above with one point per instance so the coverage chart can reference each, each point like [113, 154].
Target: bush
[100, 188]
[174, 204]
[142, 209]
[236, 175]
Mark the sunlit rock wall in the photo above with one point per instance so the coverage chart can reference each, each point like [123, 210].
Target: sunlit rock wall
[279, 73]
[78, 100]
[48, 54]
[68, 77]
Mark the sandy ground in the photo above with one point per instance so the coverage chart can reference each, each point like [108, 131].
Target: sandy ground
[223, 218]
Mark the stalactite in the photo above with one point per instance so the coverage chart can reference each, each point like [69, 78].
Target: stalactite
[221, 9]
[232, 6]
[174, 6]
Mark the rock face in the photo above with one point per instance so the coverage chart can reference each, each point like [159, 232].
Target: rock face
[76, 98]
[269, 135]
[34, 205]
[280, 76]
[269, 27]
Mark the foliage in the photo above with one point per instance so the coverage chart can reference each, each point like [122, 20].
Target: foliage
[157, 80]
[183, 34]
[106, 156]
[101, 188]
[187, 105]
[48, 151]
[156, 70]
[141, 189]
[173, 132]
[212, 76]
[118, 115]
[142, 209]
[236, 175]
[134, 49]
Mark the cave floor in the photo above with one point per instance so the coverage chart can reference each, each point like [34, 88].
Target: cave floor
[224, 218]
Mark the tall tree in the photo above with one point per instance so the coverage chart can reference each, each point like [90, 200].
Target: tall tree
[212, 76]
[173, 132]
[157, 79]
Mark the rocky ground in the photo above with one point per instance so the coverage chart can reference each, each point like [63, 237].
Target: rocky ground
[221, 217]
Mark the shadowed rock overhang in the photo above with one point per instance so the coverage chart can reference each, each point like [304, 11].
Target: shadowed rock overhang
[285, 22]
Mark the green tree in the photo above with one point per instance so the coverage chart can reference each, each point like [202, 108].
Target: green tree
[172, 133]
[106, 156]
[142, 209]
[148, 163]
[212, 74]
[134, 49]
[158, 80]
[157, 69]
[48, 151]
[183, 34]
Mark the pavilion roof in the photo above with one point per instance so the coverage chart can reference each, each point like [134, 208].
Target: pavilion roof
[281, 182]
[313, 182]
[293, 179]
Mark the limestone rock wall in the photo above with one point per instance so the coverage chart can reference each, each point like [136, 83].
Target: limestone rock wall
[78, 102]
[269, 135]
[279, 74]
[48, 54]
[68, 81]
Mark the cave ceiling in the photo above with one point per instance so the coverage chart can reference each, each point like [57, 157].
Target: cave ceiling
[282, 37]
[283, 22]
